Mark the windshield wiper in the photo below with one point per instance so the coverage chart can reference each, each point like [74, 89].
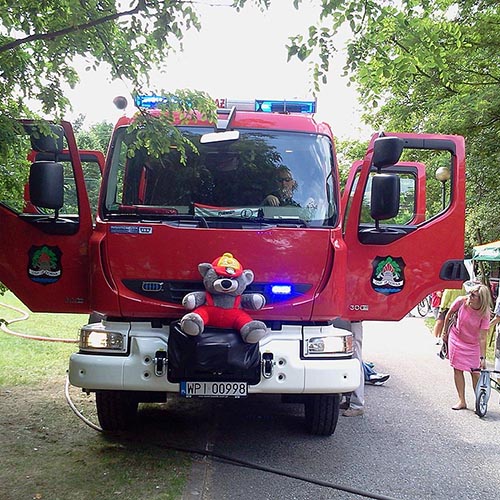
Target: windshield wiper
[185, 219]
[254, 221]
[286, 221]
[141, 214]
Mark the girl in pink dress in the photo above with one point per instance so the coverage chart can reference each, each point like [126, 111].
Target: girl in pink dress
[467, 339]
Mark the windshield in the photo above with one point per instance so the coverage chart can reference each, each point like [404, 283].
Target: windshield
[264, 175]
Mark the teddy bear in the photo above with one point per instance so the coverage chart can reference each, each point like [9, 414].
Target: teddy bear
[220, 305]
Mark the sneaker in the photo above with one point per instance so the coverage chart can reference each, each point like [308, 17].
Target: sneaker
[344, 405]
[377, 379]
[353, 412]
[379, 382]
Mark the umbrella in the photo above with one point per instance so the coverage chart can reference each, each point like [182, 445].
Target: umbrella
[488, 251]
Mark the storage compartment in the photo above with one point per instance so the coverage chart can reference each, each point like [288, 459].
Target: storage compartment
[215, 355]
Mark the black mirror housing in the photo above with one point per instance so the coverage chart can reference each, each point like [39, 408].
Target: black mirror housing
[385, 195]
[42, 143]
[46, 184]
[387, 151]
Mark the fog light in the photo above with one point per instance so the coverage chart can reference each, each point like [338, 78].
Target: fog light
[316, 345]
[326, 345]
[326, 342]
[102, 340]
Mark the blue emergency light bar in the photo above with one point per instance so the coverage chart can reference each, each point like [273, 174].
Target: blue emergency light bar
[149, 101]
[271, 106]
[260, 105]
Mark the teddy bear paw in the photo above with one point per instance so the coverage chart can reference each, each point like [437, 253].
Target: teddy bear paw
[192, 324]
[253, 332]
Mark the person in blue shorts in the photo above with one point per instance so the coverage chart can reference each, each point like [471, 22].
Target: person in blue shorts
[372, 377]
[354, 403]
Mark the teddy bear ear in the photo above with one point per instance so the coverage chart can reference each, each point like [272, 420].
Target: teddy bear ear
[204, 267]
[248, 275]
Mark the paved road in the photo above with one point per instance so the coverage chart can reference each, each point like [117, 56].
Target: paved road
[408, 445]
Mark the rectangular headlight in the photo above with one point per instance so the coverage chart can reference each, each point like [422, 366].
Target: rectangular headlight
[326, 342]
[101, 340]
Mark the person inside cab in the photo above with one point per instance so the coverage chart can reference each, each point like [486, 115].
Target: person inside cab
[285, 189]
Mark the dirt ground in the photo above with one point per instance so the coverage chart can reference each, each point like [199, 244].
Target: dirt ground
[48, 453]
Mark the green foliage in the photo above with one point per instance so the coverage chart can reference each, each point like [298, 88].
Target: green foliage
[348, 152]
[430, 67]
[419, 65]
[39, 44]
[96, 138]
[13, 171]
[156, 133]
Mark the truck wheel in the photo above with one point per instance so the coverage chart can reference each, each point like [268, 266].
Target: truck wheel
[322, 413]
[116, 410]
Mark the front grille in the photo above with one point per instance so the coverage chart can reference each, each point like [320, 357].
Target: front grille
[173, 291]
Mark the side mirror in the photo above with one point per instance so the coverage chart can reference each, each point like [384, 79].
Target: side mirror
[385, 195]
[387, 151]
[46, 184]
[43, 143]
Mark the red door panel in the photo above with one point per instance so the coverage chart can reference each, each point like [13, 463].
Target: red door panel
[390, 272]
[46, 272]
[46, 263]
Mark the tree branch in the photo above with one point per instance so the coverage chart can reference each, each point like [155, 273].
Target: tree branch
[141, 4]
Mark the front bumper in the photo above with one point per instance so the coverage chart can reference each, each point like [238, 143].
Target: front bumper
[290, 373]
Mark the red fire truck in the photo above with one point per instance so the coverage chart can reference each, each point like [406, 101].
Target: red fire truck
[319, 256]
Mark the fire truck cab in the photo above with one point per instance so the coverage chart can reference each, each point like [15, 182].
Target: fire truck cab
[262, 183]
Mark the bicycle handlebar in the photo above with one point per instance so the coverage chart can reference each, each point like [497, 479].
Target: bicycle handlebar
[481, 370]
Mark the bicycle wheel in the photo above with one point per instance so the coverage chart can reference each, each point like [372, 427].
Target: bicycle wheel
[424, 307]
[481, 403]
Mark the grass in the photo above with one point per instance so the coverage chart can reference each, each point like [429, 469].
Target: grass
[26, 361]
[47, 453]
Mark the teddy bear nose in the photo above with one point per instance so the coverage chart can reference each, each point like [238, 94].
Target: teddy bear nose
[226, 284]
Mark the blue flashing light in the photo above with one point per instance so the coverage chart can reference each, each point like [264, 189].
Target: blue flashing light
[281, 289]
[271, 106]
[261, 105]
[149, 101]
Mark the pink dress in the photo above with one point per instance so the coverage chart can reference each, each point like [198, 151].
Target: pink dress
[463, 342]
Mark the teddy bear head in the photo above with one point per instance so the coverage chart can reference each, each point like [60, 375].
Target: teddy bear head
[225, 275]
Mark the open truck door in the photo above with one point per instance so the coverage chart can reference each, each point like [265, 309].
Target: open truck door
[44, 235]
[404, 220]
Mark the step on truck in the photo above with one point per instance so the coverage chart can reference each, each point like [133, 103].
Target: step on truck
[262, 184]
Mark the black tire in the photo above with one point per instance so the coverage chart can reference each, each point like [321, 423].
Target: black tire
[116, 410]
[322, 413]
[481, 403]
[423, 307]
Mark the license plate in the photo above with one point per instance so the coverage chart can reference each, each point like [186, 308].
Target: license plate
[214, 389]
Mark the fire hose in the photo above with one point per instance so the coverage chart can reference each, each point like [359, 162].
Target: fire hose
[4, 326]
[224, 458]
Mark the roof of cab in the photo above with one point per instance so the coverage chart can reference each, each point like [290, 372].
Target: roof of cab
[297, 122]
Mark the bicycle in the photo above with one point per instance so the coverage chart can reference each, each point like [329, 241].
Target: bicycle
[424, 306]
[483, 390]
